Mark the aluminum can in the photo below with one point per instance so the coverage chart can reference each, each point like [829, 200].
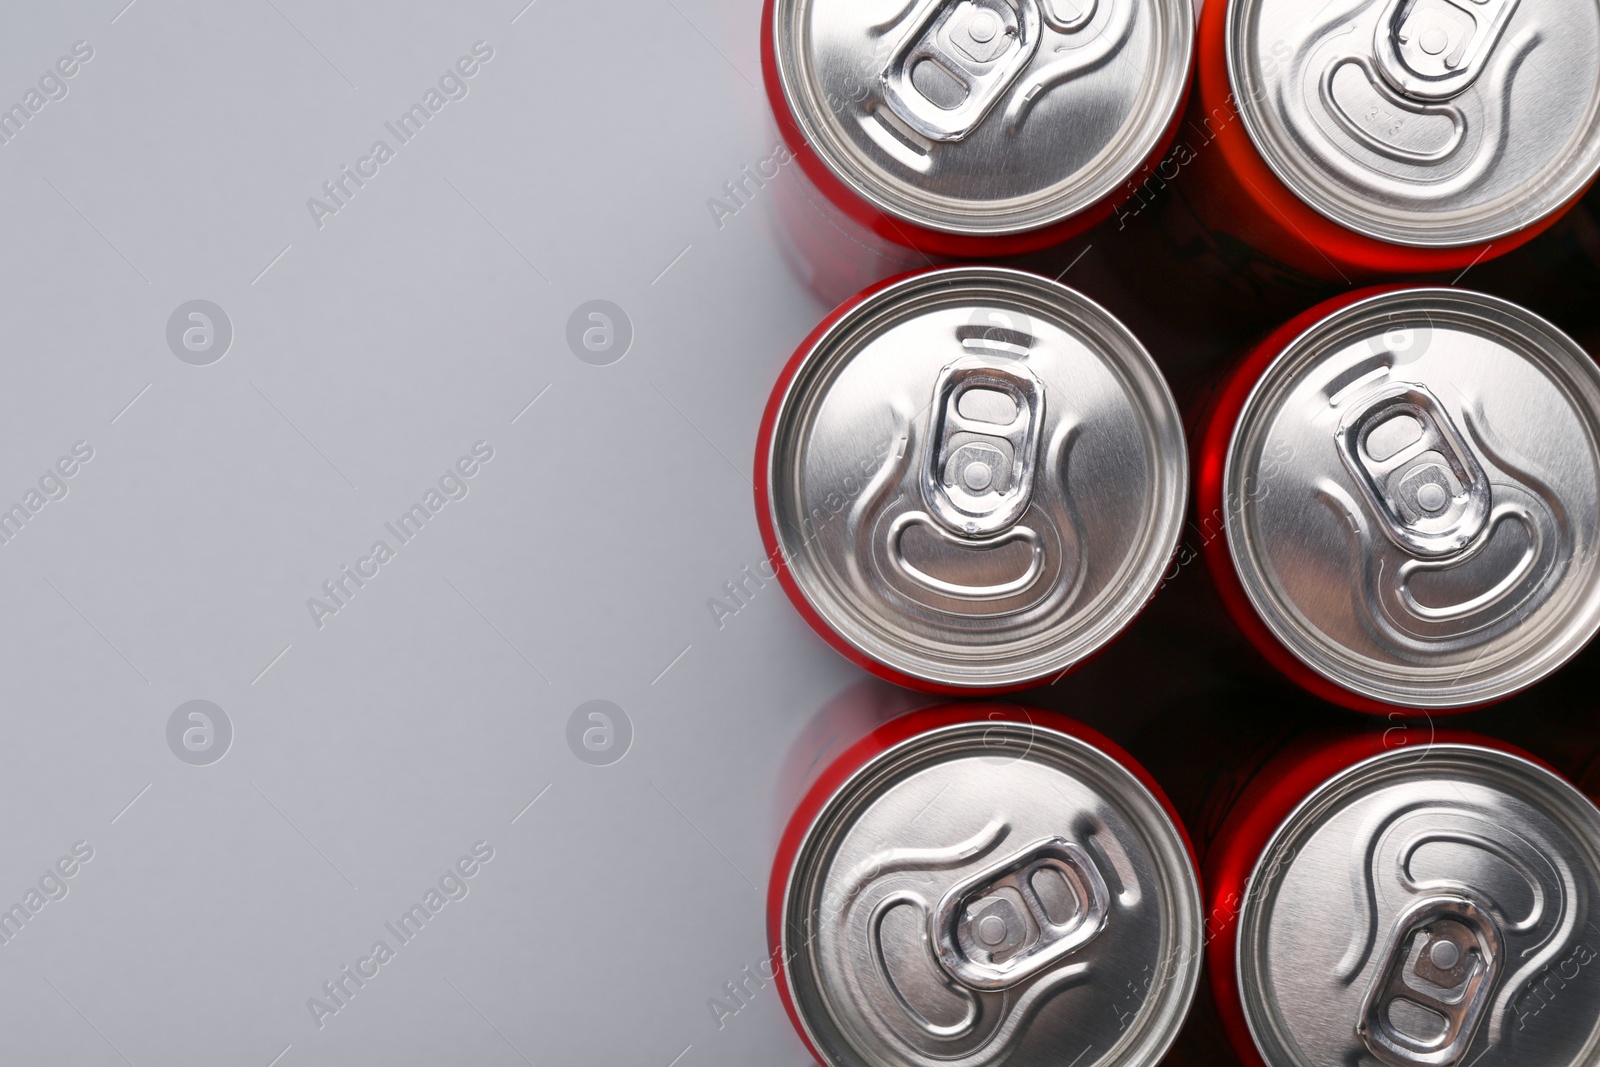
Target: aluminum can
[985, 884]
[1428, 905]
[1408, 480]
[970, 479]
[976, 128]
[1366, 138]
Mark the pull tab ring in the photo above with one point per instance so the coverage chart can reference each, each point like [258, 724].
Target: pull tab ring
[981, 457]
[1436, 981]
[996, 929]
[1434, 49]
[959, 58]
[1421, 478]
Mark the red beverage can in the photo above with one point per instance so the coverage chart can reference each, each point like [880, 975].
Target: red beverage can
[1355, 140]
[1400, 491]
[985, 884]
[976, 128]
[970, 479]
[1423, 905]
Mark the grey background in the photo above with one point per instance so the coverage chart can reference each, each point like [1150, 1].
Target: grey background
[368, 357]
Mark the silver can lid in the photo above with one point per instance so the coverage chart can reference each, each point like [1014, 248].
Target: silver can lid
[1428, 123]
[983, 117]
[976, 477]
[1413, 494]
[1428, 909]
[992, 892]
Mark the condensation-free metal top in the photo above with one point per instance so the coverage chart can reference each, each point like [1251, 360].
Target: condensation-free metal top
[1412, 497]
[1435, 905]
[983, 117]
[977, 477]
[1431, 123]
[992, 893]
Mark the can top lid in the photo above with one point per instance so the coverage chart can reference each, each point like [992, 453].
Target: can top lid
[1412, 498]
[1422, 908]
[1427, 123]
[983, 117]
[976, 477]
[992, 892]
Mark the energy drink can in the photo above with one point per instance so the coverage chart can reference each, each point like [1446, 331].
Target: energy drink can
[970, 479]
[985, 884]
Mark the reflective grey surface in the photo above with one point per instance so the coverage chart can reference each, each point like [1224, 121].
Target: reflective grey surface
[1429, 906]
[1089, 956]
[983, 116]
[977, 477]
[1422, 122]
[1414, 490]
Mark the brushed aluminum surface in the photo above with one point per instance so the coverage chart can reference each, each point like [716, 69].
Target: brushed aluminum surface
[977, 477]
[1429, 123]
[992, 892]
[1428, 907]
[983, 117]
[1414, 498]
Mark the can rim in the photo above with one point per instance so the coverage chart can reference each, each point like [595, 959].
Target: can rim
[908, 732]
[1279, 617]
[833, 618]
[1527, 769]
[1568, 182]
[971, 219]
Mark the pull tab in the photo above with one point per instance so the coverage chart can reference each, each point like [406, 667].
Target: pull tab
[1021, 916]
[983, 444]
[1429, 491]
[1436, 980]
[1434, 49]
[957, 61]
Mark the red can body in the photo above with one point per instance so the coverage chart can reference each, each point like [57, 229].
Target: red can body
[1275, 791]
[891, 646]
[833, 254]
[1239, 199]
[1253, 563]
[880, 740]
